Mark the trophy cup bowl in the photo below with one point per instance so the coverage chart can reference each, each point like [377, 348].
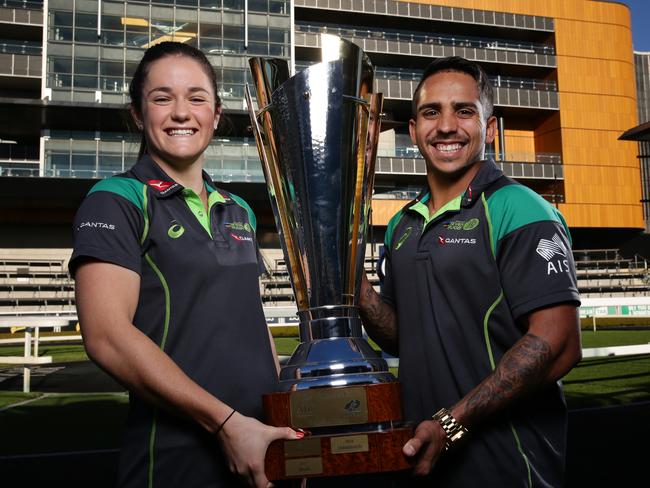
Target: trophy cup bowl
[317, 134]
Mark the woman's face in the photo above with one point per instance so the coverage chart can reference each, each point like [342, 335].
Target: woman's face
[178, 112]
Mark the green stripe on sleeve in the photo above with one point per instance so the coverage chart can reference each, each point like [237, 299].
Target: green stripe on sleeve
[515, 206]
[129, 188]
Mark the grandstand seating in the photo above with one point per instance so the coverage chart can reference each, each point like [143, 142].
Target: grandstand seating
[600, 273]
[37, 280]
[605, 273]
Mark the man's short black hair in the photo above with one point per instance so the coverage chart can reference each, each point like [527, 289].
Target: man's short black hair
[461, 65]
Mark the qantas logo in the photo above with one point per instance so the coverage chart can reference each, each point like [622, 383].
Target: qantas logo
[443, 241]
[163, 187]
[96, 225]
[241, 238]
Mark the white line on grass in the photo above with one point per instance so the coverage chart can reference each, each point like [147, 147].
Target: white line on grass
[59, 395]
[24, 402]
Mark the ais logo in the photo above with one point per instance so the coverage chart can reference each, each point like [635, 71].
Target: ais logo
[548, 250]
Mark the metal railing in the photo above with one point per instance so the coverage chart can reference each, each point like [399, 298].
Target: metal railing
[28, 65]
[16, 152]
[497, 81]
[21, 47]
[434, 12]
[110, 153]
[29, 4]
[440, 39]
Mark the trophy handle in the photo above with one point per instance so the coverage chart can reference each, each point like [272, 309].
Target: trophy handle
[274, 180]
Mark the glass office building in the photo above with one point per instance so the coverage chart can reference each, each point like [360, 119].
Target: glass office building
[93, 48]
[560, 95]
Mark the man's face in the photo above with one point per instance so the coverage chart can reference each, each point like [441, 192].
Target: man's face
[450, 127]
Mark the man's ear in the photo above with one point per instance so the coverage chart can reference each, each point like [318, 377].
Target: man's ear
[490, 129]
[412, 127]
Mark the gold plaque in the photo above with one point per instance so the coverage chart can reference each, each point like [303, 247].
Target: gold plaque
[349, 443]
[303, 466]
[320, 407]
[302, 447]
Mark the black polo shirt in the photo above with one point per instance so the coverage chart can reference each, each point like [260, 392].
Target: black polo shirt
[459, 280]
[199, 301]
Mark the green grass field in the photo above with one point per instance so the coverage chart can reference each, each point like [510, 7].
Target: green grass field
[597, 381]
[72, 439]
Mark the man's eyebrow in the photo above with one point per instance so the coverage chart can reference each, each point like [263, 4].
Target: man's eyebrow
[459, 105]
[433, 105]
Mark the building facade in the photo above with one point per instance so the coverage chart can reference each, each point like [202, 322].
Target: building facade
[642, 68]
[562, 95]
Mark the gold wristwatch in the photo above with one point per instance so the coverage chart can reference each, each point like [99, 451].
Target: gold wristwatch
[454, 430]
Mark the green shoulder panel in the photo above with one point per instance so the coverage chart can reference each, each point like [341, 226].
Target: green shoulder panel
[251, 215]
[129, 188]
[390, 229]
[515, 206]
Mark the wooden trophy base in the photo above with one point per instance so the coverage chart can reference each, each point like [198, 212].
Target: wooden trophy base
[338, 455]
[352, 426]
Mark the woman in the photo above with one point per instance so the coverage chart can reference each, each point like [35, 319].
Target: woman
[166, 269]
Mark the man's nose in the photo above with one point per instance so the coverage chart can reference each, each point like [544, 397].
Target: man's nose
[447, 122]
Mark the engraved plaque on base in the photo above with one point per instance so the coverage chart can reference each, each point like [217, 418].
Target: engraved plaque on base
[317, 134]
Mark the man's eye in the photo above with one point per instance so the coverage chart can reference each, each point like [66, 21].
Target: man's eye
[466, 112]
[161, 99]
[197, 100]
[429, 114]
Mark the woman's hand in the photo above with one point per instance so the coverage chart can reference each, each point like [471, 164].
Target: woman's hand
[244, 441]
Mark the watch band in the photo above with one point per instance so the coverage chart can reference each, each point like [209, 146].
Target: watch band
[454, 430]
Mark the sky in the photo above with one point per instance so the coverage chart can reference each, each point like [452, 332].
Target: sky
[640, 24]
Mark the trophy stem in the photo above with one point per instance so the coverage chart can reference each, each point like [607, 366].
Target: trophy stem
[328, 322]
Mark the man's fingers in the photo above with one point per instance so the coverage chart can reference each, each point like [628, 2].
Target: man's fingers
[422, 468]
[412, 447]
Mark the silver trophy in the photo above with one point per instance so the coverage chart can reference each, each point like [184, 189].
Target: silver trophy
[317, 136]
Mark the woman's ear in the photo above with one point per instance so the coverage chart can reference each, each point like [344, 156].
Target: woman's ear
[217, 116]
[136, 117]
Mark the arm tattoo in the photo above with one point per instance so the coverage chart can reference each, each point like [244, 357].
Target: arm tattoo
[522, 368]
[379, 319]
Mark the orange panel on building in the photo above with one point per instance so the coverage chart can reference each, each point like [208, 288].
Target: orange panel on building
[596, 85]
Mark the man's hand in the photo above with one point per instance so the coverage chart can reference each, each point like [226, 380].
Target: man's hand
[244, 441]
[426, 446]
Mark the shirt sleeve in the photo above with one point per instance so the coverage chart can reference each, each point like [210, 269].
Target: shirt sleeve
[536, 267]
[107, 227]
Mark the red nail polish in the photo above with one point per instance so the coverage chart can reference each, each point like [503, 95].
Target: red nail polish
[300, 435]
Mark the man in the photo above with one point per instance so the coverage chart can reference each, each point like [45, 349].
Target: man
[479, 300]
